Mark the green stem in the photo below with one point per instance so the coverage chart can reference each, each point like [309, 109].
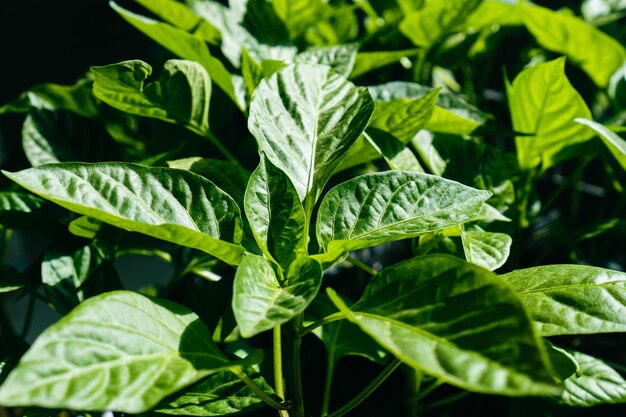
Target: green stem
[279, 382]
[218, 144]
[451, 399]
[365, 267]
[328, 384]
[321, 322]
[367, 391]
[419, 71]
[293, 366]
[257, 390]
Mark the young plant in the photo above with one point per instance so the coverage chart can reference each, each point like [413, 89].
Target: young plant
[269, 242]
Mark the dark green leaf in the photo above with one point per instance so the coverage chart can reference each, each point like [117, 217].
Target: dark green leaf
[376, 208]
[10, 280]
[572, 299]
[262, 300]
[119, 351]
[305, 117]
[563, 361]
[275, 213]
[457, 322]
[154, 201]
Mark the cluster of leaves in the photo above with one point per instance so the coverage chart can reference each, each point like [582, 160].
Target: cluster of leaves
[374, 122]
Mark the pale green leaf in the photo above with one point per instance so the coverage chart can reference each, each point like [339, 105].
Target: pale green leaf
[276, 214]
[305, 117]
[179, 15]
[544, 105]
[221, 394]
[298, 15]
[369, 61]
[84, 227]
[457, 322]
[615, 143]
[597, 384]
[572, 299]
[339, 57]
[396, 153]
[494, 12]
[119, 351]
[487, 249]
[386, 206]
[174, 205]
[428, 25]
[181, 94]
[595, 52]
[261, 301]
[183, 44]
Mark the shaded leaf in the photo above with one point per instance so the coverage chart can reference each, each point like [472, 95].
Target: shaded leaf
[305, 117]
[10, 280]
[153, 201]
[262, 301]
[457, 322]
[118, 351]
[572, 299]
[377, 208]
[612, 140]
[275, 213]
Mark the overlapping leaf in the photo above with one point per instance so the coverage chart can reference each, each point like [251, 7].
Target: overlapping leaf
[616, 145]
[487, 249]
[169, 204]
[457, 322]
[572, 299]
[118, 351]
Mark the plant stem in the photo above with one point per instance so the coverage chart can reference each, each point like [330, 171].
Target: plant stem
[362, 265]
[216, 142]
[361, 396]
[321, 322]
[279, 383]
[257, 390]
[451, 399]
[293, 369]
[328, 384]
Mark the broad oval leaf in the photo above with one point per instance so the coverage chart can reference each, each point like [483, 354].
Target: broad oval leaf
[221, 394]
[597, 384]
[544, 104]
[305, 117]
[457, 322]
[377, 208]
[275, 213]
[597, 53]
[118, 351]
[261, 301]
[339, 57]
[616, 145]
[487, 249]
[572, 299]
[181, 94]
[169, 204]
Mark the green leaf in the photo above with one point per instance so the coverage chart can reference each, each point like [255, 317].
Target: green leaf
[19, 202]
[396, 153]
[119, 351]
[365, 62]
[339, 57]
[596, 53]
[64, 272]
[275, 213]
[426, 26]
[487, 249]
[572, 299]
[262, 301]
[10, 280]
[183, 44]
[305, 117]
[457, 322]
[226, 175]
[494, 12]
[615, 143]
[154, 201]
[84, 227]
[299, 15]
[377, 208]
[597, 384]
[253, 72]
[221, 394]
[182, 17]
[544, 104]
[563, 361]
[181, 94]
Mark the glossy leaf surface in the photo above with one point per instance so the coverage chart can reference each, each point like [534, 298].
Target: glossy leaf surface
[154, 201]
[118, 351]
[305, 117]
[340, 58]
[487, 249]
[261, 301]
[457, 322]
[376, 208]
[572, 299]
